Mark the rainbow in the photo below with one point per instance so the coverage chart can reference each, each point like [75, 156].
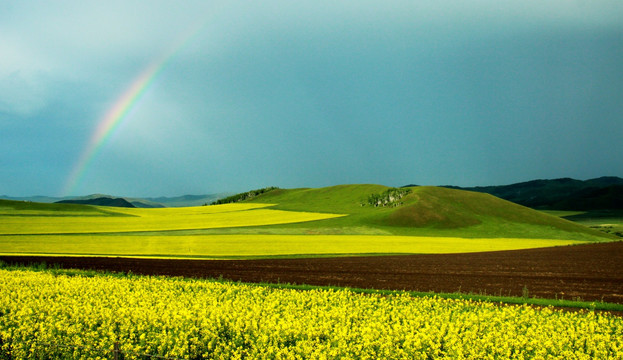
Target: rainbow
[116, 115]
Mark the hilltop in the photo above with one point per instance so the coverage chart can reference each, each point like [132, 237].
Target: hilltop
[424, 211]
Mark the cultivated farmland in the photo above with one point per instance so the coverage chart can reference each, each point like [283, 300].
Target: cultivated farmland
[366, 236]
[590, 272]
[306, 222]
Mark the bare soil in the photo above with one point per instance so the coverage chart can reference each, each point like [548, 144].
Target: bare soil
[590, 272]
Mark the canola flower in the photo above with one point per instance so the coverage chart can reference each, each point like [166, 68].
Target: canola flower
[199, 319]
[164, 219]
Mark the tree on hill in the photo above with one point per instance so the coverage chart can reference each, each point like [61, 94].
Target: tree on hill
[243, 196]
[389, 198]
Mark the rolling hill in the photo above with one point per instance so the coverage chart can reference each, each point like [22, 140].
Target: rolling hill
[604, 193]
[380, 210]
[423, 211]
[344, 220]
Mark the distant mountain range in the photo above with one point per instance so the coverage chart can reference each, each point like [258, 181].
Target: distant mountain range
[100, 201]
[109, 200]
[604, 193]
[187, 200]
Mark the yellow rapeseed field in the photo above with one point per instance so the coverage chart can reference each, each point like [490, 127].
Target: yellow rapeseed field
[43, 315]
[247, 245]
[200, 217]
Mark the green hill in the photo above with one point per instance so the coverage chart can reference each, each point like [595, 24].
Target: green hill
[424, 211]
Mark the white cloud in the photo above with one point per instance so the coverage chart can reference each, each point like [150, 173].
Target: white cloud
[21, 94]
[22, 78]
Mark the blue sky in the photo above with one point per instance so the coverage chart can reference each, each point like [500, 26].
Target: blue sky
[309, 94]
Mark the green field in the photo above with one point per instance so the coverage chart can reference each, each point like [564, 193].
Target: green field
[608, 221]
[330, 221]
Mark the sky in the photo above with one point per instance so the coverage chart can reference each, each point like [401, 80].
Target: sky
[165, 98]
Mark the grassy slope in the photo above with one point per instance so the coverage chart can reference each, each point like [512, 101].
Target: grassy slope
[427, 211]
[609, 221]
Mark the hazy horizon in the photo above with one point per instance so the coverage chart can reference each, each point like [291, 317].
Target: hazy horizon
[165, 98]
[249, 189]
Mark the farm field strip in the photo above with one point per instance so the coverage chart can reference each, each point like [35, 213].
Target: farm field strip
[204, 217]
[191, 210]
[241, 245]
[42, 209]
[229, 320]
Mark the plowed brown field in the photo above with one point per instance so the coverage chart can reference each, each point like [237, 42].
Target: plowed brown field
[590, 272]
